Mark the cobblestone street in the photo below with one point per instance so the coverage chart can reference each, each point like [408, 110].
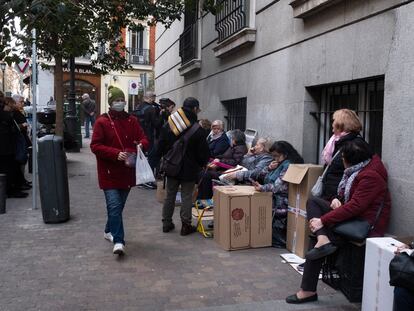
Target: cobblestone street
[70, 266]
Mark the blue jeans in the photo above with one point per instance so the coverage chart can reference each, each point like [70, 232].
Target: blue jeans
[115, 202]
[88, 119]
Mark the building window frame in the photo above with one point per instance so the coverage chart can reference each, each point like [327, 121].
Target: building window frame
[365, 97]
[236, 113]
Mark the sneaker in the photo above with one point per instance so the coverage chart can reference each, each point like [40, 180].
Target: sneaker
[119, 249]
[150, 185]
[108, 236]
[167, 227]
[187, 229]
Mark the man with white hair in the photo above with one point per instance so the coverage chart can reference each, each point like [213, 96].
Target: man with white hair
[88, 106]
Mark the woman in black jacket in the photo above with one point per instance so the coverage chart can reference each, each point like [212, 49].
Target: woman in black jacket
[218, 142]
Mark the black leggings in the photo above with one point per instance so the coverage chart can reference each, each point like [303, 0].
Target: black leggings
[205, 185]
[315, 208]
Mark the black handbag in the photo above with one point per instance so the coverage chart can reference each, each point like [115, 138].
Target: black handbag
[402, 271]
[356, 229]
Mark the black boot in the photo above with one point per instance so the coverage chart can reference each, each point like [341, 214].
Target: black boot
[167, 227]
[187, 229]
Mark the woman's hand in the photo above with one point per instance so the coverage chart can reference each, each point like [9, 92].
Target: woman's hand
[315, 224]
[401, 248]
[257, 186]
[335, 204]
[273, 165]
[122, 156]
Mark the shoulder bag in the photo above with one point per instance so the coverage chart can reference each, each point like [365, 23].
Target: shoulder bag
[131, 159]
[317, 189]
[357, 229]
[402, 271]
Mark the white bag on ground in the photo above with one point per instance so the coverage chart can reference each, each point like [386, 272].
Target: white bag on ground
[143, 171]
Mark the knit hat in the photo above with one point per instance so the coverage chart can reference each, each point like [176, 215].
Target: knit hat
[113, 93]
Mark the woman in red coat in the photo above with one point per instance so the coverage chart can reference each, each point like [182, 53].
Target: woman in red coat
[361, 193]
[116, 134]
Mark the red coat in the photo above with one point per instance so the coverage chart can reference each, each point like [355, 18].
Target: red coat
[112, 173]
[368, 190]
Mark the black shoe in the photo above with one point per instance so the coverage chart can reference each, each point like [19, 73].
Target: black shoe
[167, 227]
[320, 252]
[294, 299]
[187, 229]
[151, 185]
[18, 194]
[210, 225]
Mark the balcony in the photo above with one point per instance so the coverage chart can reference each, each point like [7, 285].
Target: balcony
[138, 56]
[188, 50]
[232, 25]
[305, 8]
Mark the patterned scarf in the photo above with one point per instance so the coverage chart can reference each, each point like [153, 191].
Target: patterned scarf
[344, 187]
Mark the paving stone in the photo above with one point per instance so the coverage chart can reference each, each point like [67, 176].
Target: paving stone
[69, 266]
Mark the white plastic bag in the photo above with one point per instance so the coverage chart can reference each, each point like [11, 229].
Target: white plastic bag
[143, 171]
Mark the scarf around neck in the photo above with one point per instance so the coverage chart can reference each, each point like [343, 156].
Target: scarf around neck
[344, 187]
[212, 136]
[327, 152]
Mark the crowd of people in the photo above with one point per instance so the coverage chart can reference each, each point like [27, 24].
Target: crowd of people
[197, 154]
[14, 141]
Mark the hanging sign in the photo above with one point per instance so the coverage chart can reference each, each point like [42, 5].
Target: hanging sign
[22, 67]
[133, 87]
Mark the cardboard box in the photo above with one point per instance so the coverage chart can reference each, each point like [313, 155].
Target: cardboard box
[377, 293]
[301, 179]
[242, 217]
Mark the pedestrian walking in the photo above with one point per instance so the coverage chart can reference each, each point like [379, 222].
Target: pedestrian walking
[88, 107]
[114, 142]
[183, 127]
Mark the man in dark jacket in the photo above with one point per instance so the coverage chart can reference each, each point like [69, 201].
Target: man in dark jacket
[88, 107]
[195, 157]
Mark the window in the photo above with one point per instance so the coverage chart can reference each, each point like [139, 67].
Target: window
[365, 97]
[232, 16]
[189, 37]
[236, 113]
[137, 53]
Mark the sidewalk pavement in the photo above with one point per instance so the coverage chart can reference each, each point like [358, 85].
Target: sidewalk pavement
[70, 266]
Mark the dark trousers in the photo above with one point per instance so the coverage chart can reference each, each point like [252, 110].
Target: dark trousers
[315, 208]
[205, 185]
[403, 299]
[187, 188]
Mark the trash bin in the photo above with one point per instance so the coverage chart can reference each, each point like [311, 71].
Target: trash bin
[53, 179]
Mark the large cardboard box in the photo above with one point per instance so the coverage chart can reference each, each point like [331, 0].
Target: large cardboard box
[301, 178]
[242, 217]
[377, 293]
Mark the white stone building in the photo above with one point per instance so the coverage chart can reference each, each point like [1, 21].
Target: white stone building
[282, 66]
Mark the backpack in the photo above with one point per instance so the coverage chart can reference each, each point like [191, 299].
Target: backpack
[172, 161]
[140, 114]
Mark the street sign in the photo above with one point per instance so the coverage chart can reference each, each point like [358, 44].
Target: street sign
[133, 87]
[22, 67]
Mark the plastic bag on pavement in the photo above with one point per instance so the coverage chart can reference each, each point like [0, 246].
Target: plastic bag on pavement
[143, 171]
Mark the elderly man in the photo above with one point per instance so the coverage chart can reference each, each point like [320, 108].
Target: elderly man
[88, 107]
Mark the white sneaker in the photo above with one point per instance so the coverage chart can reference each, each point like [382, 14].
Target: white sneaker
[108, 236]
[119, 249]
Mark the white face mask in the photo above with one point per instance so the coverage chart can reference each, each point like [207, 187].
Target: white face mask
[118, 105]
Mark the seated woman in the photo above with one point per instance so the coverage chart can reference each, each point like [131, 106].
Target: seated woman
[233, 156]
[361, 192]
[218, 142]
[271, 178]
[254, 161]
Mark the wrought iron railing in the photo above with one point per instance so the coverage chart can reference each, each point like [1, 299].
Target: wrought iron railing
[236, 113]
[188, 43]
[232, 16]
[139, 56]
[365, 97]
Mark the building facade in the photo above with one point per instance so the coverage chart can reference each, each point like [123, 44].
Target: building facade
[282, 68]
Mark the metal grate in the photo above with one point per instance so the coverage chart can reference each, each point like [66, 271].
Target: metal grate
[232, 16]
[188, 43]
[236, 113]
[366, 98]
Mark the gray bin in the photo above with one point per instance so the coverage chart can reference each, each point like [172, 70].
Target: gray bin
[53, 179]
